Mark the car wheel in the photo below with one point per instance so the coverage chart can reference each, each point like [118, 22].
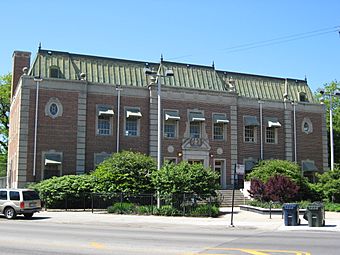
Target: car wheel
[10, 213]
[28, 215]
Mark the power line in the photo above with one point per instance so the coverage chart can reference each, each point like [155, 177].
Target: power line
[285, 38]
[274, 41]
[263, 44]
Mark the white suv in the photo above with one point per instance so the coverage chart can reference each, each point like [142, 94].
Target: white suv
[19, 201]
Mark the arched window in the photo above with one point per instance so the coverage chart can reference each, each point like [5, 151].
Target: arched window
[55, 72]
[303, 97]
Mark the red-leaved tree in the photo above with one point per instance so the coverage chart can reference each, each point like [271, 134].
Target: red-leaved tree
[281, 188]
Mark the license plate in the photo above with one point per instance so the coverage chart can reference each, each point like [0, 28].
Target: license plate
[32, 204]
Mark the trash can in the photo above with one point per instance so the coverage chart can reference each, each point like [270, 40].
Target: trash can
[291, 214]
[315, 215]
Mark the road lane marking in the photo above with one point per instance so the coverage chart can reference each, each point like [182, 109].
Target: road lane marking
[96, 245]
[259, 251]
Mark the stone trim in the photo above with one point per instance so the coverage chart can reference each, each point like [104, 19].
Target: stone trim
[81, 133]
[23, 138]
[324, 141]
[233, 134]
[288, 131]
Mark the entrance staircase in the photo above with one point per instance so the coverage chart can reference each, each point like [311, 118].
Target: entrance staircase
[226, 197]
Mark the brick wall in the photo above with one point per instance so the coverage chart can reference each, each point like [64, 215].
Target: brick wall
[13, 142]
[59, 134]
[21, 59]
[309, 146]
[97, 143]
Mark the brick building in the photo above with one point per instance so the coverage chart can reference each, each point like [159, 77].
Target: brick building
[67, 109]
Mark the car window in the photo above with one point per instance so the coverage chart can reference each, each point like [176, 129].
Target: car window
[30, 195]
[3, 195]
[14, 195]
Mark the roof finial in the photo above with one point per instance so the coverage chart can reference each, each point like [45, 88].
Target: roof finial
[213, 64]
[305, 78]
[39, 46]
[161, 57]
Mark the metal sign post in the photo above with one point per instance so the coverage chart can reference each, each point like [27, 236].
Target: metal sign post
[239, 169]
[233, 198]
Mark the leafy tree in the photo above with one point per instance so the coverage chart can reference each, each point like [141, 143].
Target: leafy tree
[5, 93]
[281, 188]
[257, 189]
[128, 172]
[277, 188]
[185, 178]
[329, 184]
[3, 164]
[269, 168]
[329, 88]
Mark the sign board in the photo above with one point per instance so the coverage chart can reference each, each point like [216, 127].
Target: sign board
[240, 169]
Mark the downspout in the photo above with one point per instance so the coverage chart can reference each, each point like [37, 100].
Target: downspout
[37, 80]
[294, 120]
[261, 130]
[118, 89]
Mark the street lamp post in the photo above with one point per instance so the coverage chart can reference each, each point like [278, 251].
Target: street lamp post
[158, 76]
[331, 139]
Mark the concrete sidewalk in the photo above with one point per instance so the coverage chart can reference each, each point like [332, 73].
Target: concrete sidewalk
[241, 219]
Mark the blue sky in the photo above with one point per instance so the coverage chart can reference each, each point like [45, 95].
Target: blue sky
[189, 31]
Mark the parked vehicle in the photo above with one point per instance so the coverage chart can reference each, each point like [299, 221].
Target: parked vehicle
[19, 201]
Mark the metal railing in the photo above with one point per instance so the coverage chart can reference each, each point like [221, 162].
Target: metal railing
[183, 203]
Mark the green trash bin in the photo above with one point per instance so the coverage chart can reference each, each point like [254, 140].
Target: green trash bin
[315, 215]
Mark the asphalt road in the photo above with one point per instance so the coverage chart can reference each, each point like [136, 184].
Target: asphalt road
[45, 236]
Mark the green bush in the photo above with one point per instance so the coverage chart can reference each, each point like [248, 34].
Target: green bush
[185, 178]
[146, 209]
[333, 207]
[56, 189]
[329, 185]
[122, 208]
[128, 172]
[205, 211]
[167, 210]
[262, 204]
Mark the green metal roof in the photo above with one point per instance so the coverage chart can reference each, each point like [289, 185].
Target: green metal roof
[122, 72]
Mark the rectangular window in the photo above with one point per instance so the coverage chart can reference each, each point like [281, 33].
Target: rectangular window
[195, 129]
[51, 170]
[171, 118]
[3, 195]
[271, 135]
[196, 161]
[14, 195]
[132, 121]
[52, 164]
[249, 134]
[219, 122]
[170, 127]
[218, 131]
[100, 157]
[170, 160]
[249, 165]
[104, 120]
[104, 125]
[131, 127]
[196, 118]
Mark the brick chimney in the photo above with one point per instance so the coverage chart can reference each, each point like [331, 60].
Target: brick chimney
[21, 59]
